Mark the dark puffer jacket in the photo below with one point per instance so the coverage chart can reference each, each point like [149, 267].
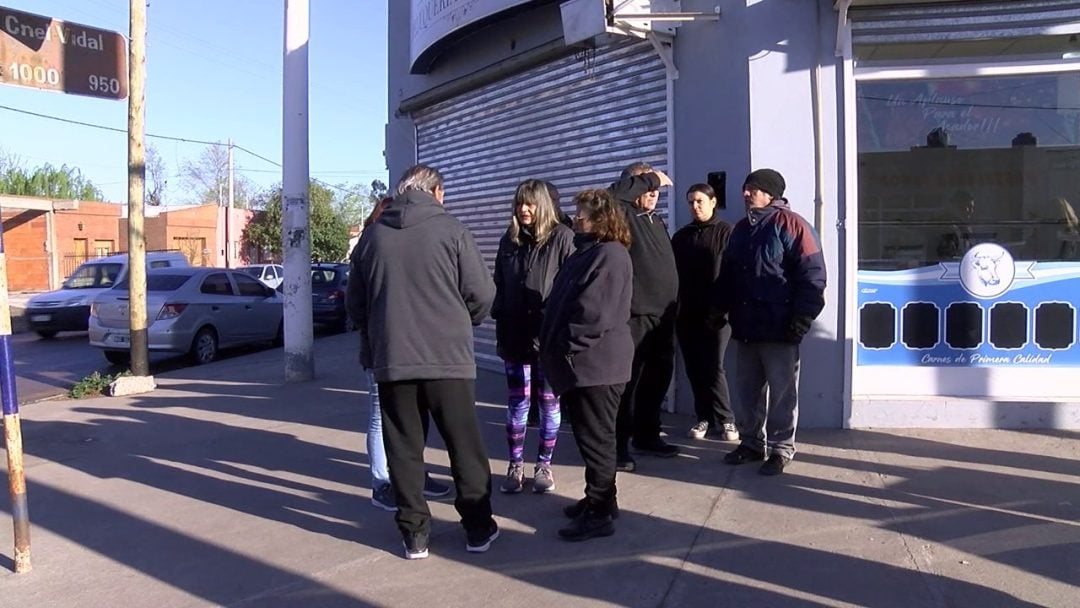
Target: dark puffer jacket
[773, 271]
[585, 337]
[523, 277]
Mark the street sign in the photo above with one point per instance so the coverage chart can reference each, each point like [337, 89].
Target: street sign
[45, 53]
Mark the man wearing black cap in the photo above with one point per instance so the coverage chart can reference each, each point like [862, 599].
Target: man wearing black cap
[771, 288]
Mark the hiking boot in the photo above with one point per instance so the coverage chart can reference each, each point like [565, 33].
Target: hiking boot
[579, 507]
[416, 545]
[543, 480]
[729, 432]
[515, 479]
[625, 463]
[383, 497]
[434, 489]
[742, 455]
[657, 447]
[479, 540]
[589, 524]
[698, 431]
[774, 465]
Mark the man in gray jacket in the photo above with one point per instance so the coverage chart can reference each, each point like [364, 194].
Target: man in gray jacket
[418, 286]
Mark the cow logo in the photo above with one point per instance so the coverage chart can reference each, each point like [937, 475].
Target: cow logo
[987, 270]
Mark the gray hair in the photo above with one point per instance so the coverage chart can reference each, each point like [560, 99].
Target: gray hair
[419, 177]
[636, 168]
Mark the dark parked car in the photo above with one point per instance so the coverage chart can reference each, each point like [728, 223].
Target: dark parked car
[328, 283]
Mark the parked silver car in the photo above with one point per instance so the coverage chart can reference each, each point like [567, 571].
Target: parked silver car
[189, 310]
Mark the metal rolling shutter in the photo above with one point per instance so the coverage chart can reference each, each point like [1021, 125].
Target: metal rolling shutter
[571, 122]
[901, 22]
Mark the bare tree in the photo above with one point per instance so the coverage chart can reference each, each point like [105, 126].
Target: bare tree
[207, 177]
[157, 179]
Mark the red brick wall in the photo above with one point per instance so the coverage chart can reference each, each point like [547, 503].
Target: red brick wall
[25, 245]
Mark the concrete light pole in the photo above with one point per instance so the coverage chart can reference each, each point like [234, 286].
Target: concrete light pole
[295, 219]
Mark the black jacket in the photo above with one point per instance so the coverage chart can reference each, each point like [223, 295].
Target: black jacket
[585, 336]
[699, 249]
[773, 271]
[523, 277]
[416, 289]
[656, 280]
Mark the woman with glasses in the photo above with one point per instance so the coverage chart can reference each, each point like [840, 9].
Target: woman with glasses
[530, 253]
[587, 351]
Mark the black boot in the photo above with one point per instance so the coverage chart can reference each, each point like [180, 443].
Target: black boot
[572, 511]
[589, 524]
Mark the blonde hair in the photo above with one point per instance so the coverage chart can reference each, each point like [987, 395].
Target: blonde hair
[533, 192]
[1068, 214]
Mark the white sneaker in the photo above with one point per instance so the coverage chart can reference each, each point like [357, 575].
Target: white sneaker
[729, 433]
[698, 431]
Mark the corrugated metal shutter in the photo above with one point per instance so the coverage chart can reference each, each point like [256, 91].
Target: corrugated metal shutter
[575, 122]
[900, 23]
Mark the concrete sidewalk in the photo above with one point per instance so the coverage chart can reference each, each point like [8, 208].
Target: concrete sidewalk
[227, 488]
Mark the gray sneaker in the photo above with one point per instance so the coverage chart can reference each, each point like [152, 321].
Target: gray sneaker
[698, 431]
[543, 480]
[515, 479]
[729, 432]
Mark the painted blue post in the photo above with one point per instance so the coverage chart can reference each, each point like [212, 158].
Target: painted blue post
[12, 428]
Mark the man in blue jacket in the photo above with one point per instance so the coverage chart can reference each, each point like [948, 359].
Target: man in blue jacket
[418, 287]
[771, 288]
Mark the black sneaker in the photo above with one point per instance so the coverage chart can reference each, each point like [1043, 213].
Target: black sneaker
[624, 463]
[416, 545]
[572, 511]
[657, 447]
[434, 489]
[479, 540]
[383, 497]
[589, 524]
[742, 455]
[774, 465]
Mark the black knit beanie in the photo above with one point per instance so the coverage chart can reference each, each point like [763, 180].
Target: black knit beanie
[766, 180]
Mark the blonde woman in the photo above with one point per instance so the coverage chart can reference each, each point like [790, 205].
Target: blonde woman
[530, 253]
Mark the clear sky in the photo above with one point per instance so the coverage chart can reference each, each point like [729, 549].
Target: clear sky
[214, 72]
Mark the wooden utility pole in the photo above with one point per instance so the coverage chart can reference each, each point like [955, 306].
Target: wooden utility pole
[20, 513]
[140, 357]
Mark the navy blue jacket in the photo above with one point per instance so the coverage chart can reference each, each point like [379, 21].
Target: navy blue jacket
[773, 270]
[585, 337]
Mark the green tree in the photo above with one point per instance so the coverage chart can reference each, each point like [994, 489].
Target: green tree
[358, 200]
[62, 182]
[329, 232]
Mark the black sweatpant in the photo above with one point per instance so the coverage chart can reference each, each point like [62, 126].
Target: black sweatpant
[650, 376]
[452, 405]
[592, 411]
[703, 353]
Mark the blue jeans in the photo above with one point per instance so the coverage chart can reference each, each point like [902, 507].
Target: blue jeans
[380, 471]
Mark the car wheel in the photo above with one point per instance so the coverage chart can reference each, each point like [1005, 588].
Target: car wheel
[118, 357]
[48, 335]
[204, 348]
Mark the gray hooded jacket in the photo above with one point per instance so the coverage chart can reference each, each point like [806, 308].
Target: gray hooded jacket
[417, 287]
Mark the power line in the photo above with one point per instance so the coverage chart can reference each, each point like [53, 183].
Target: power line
[107, 128]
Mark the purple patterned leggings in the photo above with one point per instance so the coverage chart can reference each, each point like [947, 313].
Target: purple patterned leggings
[526, 383]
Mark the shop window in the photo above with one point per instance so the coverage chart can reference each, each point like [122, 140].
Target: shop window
[877, 322]
[1008, 325]
[944, 164]
[964, 325]
[1055, 325]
